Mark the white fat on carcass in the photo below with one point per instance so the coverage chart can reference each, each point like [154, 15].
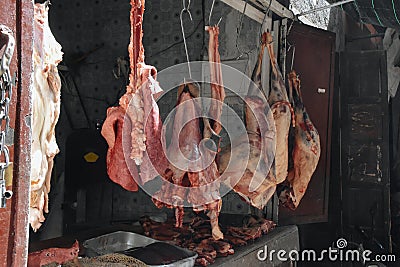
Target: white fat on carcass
[46, 110]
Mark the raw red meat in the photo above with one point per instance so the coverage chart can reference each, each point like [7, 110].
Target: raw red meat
[257, 184]
[137, 114]
[235, 241]
[217, 86]
[282, 111]
[193, 174]
[53, 255]
[188, 179]
[245, 233]
[196, 236]
[117, 168]
[306, 150]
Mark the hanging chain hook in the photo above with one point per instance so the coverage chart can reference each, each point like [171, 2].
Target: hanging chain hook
[187, 10]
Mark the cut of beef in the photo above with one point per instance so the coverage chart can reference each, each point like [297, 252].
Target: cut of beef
[282, 111]
[196, 236]
[193, 181]
[193, 174]
[306, 149]
[45, 113]
[138, 117]
[257, 184]
[53, 255]
[116, 162]
[217, 86]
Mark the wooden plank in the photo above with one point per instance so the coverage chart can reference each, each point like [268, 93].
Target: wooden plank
[251, 11]
[275, 36]
[257, 14]
[278, 8]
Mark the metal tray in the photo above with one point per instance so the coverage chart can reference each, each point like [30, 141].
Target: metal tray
[121, 241]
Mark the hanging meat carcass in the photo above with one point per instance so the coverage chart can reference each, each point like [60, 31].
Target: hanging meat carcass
[133, 129]
[46, 110]
[306, 149]
[258, 183]
[193, 174]
[217, 87]
[283, 115]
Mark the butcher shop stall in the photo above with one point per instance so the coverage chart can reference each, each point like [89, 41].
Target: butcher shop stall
[199, 133]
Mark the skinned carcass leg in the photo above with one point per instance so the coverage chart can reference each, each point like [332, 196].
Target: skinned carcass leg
[186, 171]
[194, 169]
[258, 182]
[306, 149]
[283, 112]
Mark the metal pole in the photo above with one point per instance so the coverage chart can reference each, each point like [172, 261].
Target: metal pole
[324, 7]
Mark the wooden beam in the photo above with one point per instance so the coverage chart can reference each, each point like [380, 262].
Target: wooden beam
[277, 8]
[258, 15]
[251, 11]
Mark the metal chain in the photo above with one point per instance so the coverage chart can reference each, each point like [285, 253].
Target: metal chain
[6, 84]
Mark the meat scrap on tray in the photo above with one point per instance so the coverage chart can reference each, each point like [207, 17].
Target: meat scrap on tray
[196, 235]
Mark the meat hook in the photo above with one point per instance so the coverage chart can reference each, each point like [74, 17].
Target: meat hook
[211, 11]
[293, 54]
[187, 10]
[238, 30]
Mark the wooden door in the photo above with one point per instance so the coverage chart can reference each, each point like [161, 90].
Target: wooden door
[365, 148]
[314, 63]
[18, 16]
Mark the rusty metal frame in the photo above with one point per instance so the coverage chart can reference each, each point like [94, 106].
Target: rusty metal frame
[19, 232]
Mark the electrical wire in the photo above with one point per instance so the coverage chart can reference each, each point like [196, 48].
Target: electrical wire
[176, 43]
